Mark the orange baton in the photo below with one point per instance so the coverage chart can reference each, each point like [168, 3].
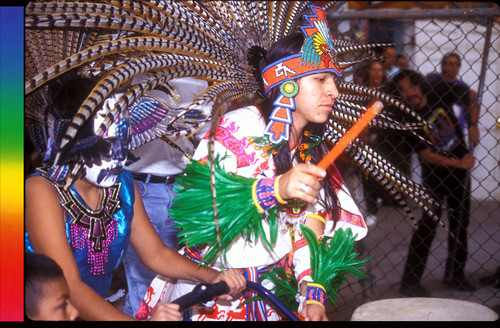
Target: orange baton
[350, 135]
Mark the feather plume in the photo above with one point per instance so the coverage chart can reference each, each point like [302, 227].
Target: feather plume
[331, 260]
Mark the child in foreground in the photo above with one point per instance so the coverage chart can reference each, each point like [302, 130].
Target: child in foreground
[46, 290]
[47, 293]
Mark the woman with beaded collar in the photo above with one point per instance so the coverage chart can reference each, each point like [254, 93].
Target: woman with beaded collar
[84, 210]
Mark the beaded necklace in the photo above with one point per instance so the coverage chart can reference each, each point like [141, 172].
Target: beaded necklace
[96, 229]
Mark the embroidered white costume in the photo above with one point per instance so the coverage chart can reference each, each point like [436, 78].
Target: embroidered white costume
[244, 157]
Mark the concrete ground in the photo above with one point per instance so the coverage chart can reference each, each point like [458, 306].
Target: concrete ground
[388, 242]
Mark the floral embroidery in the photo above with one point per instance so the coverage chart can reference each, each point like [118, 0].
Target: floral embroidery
[227, 139]
[305, 148]
[263, 143]
[351, 218]
[264, 166]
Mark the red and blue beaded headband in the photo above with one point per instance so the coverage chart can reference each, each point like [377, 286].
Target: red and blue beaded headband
[317, 55]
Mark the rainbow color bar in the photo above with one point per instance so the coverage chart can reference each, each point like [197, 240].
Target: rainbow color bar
[11, 164]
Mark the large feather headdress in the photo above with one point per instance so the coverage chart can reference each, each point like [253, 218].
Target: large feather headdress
[208, 40]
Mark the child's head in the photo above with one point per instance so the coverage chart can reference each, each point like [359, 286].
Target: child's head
[46, 291]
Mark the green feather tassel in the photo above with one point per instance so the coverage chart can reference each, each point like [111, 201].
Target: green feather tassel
[192, 209]
[332, 259]
[285, 286]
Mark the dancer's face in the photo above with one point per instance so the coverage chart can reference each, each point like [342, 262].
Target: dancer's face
[117, 137]
[316, 97]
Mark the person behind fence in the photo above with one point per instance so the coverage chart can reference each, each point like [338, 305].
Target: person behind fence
[46, 292]
[389, 62]
[457, 94]
[373, 76]
[392, 143]
[154, 172]
[82, 209]
[252, 142]
[402, 62]
[445, 163]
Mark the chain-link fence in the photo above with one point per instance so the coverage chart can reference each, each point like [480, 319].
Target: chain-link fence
[424, 37]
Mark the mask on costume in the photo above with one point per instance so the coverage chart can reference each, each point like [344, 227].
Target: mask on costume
[104, 175]
[117, 137]
[102, 157]
[316, 56]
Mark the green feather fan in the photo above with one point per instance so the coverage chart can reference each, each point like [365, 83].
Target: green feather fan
[331, 260]
[192, 209]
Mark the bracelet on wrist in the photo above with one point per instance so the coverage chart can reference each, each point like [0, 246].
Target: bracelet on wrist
[315, 294]
[264, 194]
[317, 217]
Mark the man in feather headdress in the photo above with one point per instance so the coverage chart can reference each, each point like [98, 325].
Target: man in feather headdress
[272, 147]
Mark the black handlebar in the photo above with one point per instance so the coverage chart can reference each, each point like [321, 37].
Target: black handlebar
[200, 294]
[203, 293]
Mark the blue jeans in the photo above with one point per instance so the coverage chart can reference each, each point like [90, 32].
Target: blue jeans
[157, 199]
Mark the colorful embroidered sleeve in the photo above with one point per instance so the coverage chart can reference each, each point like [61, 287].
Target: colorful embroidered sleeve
[233, 140]
[350, 216]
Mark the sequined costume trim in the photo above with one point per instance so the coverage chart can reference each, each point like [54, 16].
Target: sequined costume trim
[97, 229]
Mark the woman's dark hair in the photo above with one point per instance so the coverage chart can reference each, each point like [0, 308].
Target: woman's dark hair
[66, 96]
[38, 270]
[365, 75]
[257, 60]
[284, 47]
